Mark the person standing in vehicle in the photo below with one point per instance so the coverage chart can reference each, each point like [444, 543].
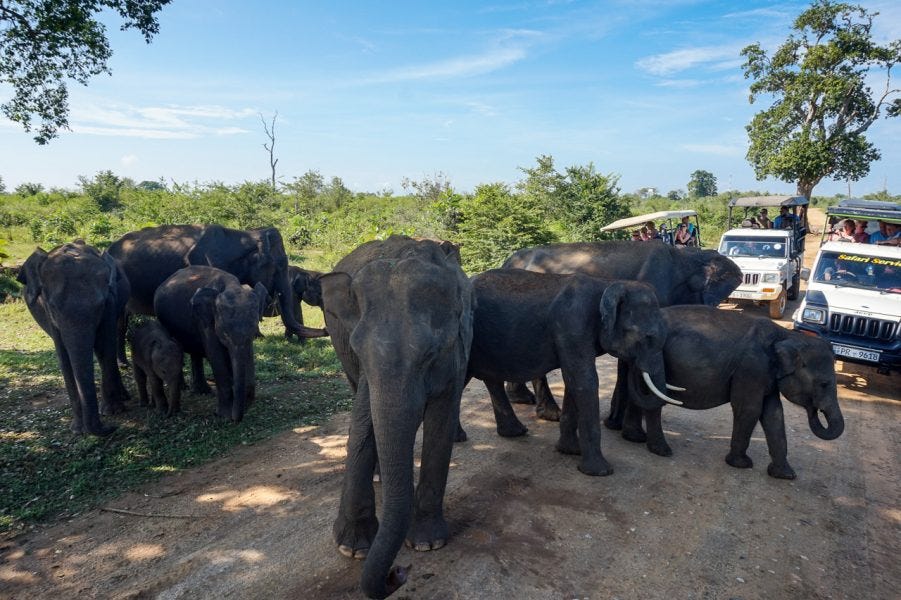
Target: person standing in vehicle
[860, 234]
[785, 220]
[763, 219]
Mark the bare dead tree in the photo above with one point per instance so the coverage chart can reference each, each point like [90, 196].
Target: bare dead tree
[269, 129]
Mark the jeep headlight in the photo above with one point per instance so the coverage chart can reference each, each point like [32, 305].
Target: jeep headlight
[814, 315]
[771, 277]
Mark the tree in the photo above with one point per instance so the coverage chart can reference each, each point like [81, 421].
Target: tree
[28, 189]
[105, 189]
[428, 189]
[590, 200]
[305, 189]
[270, 146]
[675, 195]
[542, 186]
[822, 101]
[44, 43]
[2, 186]
[702, 184]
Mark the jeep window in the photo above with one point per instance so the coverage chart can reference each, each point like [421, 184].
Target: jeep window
[847, 269]
[754, 246]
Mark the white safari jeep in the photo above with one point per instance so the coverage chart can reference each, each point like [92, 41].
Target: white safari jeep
[770, 259]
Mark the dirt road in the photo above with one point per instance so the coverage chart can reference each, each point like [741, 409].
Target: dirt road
[524, 522]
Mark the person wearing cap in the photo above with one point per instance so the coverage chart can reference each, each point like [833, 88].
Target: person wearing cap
[763, 219]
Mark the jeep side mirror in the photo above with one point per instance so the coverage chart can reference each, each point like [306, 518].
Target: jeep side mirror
[805, 273]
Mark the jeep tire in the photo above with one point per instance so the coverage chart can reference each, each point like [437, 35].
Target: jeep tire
[777, 306]
[795, 287]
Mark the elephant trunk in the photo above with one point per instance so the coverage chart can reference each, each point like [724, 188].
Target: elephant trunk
[834, 420]
[243, 381]
[394, 425]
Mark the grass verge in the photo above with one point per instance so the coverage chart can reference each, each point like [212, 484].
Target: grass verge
[47, 473]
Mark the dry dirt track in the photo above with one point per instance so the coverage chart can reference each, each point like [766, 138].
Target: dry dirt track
[525, 523]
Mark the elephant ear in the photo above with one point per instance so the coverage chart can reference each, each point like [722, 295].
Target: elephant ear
[451, 250]
[203, 305]
[338, 298]
[611, 302]
[789, 355]
[29, 275]
[312, 293]
[216, 248]
[262, 295]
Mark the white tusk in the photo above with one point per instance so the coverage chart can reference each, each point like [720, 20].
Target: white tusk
[658, 393]
[675, 388]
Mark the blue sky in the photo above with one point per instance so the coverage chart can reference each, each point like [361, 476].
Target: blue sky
[373, 92]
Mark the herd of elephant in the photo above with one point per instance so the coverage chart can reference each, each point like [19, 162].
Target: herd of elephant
[411, 330]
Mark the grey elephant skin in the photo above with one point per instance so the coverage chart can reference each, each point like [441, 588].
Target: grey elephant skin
[683, 275]
[305, 286]
[157, 361]
[213, 316]
[149, 256]
[400, 315]
[722, 356]
[76, 294]
[527, 324]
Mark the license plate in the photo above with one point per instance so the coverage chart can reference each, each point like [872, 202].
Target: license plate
[855, 353]
[743, 295]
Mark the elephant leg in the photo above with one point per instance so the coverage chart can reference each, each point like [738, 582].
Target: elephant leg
[546, 407]
[121, 329]
[356, 525]
[429, 530]
[198, 379]
[157, 393]
[631, 424]
[744, 419]
[508, 424]
[113, 394]
[141, 384]
[773, 423]
[518, 393]
[460, 433]
[223, 376]
[582, 388]
[62, 357]
[619, 400]
[80, 359]
[656, 440]
[568, 442]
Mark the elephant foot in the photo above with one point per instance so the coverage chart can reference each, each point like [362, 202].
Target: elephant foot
[568, 446]
[660, 448]
[613, 423]
[201, 387]
[596, 468]
[548, 412]
[460, 434]
[512, 429]
[112, 408]
[780, 471]
[427, 534]
[100, 430]
[354, 538]
[739, 461]
[634, 435]
[518, 393]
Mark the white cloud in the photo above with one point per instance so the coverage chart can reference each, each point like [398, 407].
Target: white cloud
[157, 122]
[463, 66]
[716, 149]
[128, 160]
[715, 58]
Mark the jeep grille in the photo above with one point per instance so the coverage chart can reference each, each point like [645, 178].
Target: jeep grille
[876, 329]
[752, 278]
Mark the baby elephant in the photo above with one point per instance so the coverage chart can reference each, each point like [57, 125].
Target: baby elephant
[723, 356]
[157, 358]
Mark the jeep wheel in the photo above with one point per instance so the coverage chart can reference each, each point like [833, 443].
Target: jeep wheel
[777, 306]
[795, 288]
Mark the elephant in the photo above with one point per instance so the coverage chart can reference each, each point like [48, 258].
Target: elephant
[683, 275]
[304, 286]
[528, 323]
[150, 255]
[210, 314]
[400, 315]
[724, 356]
[76, 294]
[157, 359]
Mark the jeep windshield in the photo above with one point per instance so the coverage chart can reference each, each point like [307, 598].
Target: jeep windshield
[849, 269]
[754, 246]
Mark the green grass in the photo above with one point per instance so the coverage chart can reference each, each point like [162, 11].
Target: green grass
[47, 473]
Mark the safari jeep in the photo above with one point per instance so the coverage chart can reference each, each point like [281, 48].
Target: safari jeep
[853, 296]
[770, 259]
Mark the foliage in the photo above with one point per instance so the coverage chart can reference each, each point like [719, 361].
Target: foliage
[701, 184]
[428, 189]
[2, 186]
[46, 42]
[29, 189]
[589, 201]
[105, 189]
[819, 80]
[494, 224]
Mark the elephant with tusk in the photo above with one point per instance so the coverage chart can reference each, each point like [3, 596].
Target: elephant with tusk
[724, 356]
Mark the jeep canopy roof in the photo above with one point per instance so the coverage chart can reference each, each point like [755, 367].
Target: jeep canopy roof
[754, 201]
[866, 210]
[642, 219]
